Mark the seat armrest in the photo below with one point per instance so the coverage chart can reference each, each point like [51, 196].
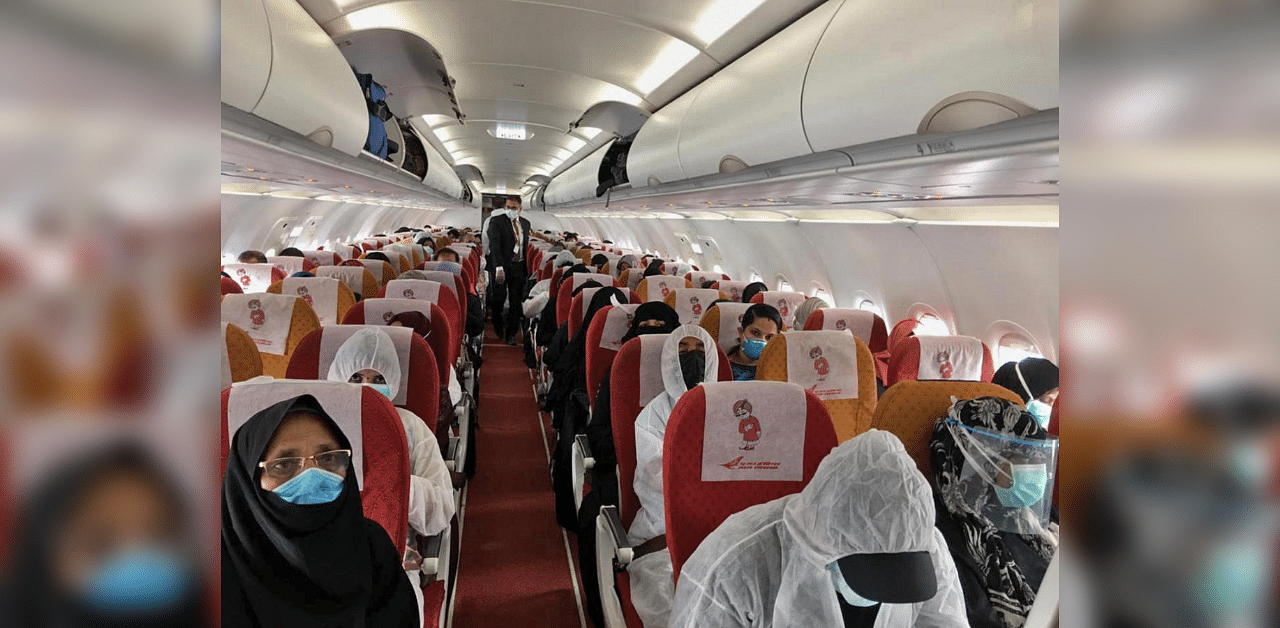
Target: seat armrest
[583, 447]
[622, 551]
[431, 548]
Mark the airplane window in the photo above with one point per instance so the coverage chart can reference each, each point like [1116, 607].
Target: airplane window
[930, 325]
[755, 276]
[1015, 347]
[717, 269]
[821, 293]
[868, 305]
[783, 284]
[271, 252]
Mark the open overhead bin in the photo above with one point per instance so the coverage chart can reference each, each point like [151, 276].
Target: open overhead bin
[578, 182]
[279, 65]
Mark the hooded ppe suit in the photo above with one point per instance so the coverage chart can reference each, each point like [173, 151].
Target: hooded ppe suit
[767, 566]
[652, 588]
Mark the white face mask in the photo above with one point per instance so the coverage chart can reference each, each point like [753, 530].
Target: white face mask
[842, 588]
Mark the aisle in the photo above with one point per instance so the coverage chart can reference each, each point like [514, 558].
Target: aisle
[514, 569]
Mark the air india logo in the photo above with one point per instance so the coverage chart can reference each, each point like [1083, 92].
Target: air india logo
[244, 277]
[408, 293]
[697, 307]
[302, 294]
[945, 368]
[256, 316]
[841, 325]
[820, 364]
[748, 426]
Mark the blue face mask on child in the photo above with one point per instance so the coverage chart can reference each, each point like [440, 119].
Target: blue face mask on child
[753, 347]
[312, 486]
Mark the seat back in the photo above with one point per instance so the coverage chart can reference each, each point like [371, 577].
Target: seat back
[357, 278]
[435, 291]
[911, 409]
[657, 287]
[691, 303]
[443, 341]
[229, 286]
[458, 285]
[556, 275]
[697, 278]
[578, 307]
[290, 265]
[329, 297]
[380, 452]
[323, 258]
[240, 357]
[277, 323]
[732, 289]
[381, 270]
[419, 387]
[604, 340]
[835, 366]
[732, 445]
[723, 321]
[631, 278]
[635, 380]
[864, 324]
[564, 295]
[785, 302]
[253, 278]
[952, 358]
[901, 331]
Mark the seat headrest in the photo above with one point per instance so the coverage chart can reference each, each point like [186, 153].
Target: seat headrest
[823, 362]
[732, 289]
[424, 289]
[253, 277]
[617, 322]
[342, 402]
[266, 317]
[785, 302]
[691, 304]
[321, 293]
[581, 278]
[321, 258]
[953, 358]
[657, 287]
[381, 311]
[353, 276]
[754, 431]
[730, 323]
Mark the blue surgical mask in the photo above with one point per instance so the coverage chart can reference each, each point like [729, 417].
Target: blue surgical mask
[842, 588]
[385, 389]
[753, 347]
[312, 486]
[1041, 411]
[1029, 484]
[142, 579]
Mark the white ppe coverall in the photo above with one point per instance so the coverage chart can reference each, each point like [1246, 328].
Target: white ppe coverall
[767, 566]
[652, 588]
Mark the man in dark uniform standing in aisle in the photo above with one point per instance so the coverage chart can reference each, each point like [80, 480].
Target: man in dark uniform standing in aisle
[508, 238]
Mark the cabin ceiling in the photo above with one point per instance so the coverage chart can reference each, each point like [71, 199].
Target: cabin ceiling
[541, 64]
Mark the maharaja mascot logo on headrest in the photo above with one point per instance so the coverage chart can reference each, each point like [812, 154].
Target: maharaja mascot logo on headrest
[302, 294]
[943, 358]
[697, 307]
[256, 316]
[387, 316]
[841, 325]
[408, 293]
[666, 290]
[820, 364]
[748, 425]
[244, 276]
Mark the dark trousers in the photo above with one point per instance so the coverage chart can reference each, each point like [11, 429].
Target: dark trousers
[511, 294]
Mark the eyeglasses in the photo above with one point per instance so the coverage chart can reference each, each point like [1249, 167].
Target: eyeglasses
[335, 461]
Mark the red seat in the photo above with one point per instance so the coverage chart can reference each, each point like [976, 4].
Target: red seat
[604, 339]
[253, 277]
[564, 299]
[462, 273]
[277, 323]
[699, 276]
[382, 271]
[864, 324]
[370, 422]
[419, 387]
[290, 265]
[444, 341]
[578, 308]
[946, 360]
[556, 274]
[732, 289]
[456, 286]
[323, 258]
[785, 302]
[691, 303]
[229, 286]
[901, 331]
[702, 477]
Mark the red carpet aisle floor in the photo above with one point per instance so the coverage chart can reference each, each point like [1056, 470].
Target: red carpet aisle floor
[514, 569]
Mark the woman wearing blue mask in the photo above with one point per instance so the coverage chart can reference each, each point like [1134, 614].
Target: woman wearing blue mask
[994, 465]
[760, 324]
[369, 357]
[297, 549]
[1036, 381]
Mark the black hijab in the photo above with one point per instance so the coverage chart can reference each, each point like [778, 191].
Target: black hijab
[32, 594]
[655, 268]
[285, 564]
[1040, 374]
[653, 310]
[752, 289]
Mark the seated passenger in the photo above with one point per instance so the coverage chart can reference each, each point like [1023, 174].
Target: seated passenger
[1036, 381]
[297, 549]
[856, 547]
[290, 251]
[378, 255]
[654, 268]
[598, 262]
[994, 465]
[807, 307]
[752, 289]
[252, 257]
[107, 532]
[627, 263]
[760, 323]
[688, 359]
[369, 358]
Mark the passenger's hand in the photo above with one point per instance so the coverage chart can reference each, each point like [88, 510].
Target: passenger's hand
[412, 559]
[500, 275]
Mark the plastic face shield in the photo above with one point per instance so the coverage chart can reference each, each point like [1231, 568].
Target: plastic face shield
[1006, 479]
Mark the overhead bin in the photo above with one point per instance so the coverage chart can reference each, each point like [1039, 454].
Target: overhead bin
[655, 155]
[440, 175]
[883, 65]
[279, 65]
[579, 181]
